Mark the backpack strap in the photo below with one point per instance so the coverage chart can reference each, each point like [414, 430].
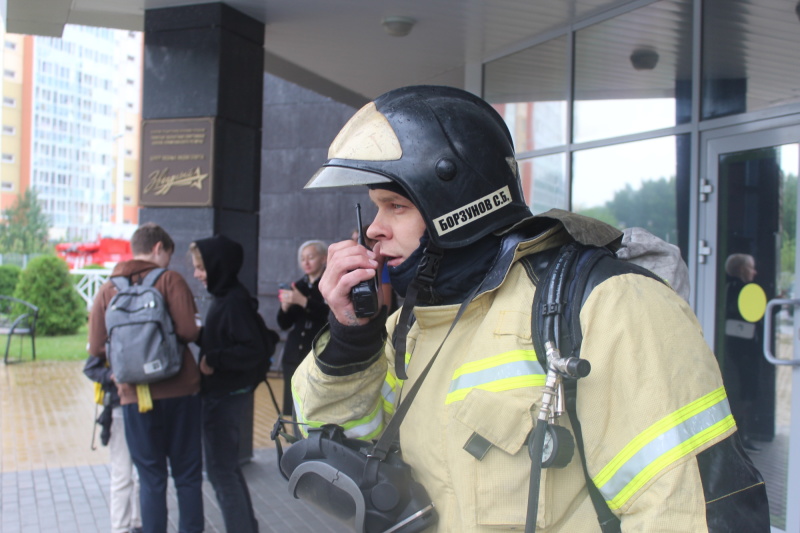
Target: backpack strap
[572, 271]
[120, 282]
[152, 276]
[123, 282]
[575, 279]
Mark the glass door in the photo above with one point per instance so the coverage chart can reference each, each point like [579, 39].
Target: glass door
[751, 266]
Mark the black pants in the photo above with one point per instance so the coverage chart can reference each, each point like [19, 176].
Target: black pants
[222, 418]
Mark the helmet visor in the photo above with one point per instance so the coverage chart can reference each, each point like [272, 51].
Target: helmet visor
[331, 176]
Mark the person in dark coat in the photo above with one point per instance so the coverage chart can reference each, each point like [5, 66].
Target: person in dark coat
[234, 344]
[304, 311]
[743, 348]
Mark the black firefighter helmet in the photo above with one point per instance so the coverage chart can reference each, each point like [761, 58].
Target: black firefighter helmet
[448, 149]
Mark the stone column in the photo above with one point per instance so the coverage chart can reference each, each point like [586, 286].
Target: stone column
[208, 61]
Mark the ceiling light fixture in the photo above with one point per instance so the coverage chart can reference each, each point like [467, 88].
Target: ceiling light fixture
[398, 26]
[644, 58]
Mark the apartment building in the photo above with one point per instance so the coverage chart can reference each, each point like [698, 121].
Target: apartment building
[70, 128]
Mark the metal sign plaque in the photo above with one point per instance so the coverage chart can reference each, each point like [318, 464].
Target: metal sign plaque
[177, 162]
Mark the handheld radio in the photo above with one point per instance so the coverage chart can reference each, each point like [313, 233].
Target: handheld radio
[364, 295]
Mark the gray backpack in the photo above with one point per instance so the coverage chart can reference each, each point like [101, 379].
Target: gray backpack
[142, 346]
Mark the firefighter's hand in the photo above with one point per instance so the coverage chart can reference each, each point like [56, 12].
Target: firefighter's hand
[204, 368]
[348, 264]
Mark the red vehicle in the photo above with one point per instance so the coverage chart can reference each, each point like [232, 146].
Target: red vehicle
[104, 252]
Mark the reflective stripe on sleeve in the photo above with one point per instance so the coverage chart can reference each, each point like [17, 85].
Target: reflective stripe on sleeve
[388, 393]
[671, 438]
[365, 428]
[511, 370]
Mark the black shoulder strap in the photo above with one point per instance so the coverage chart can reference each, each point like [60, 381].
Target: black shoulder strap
[152, 276]
[561, 276]
[123, 282]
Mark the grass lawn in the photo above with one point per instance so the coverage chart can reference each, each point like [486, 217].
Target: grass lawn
[58, 348]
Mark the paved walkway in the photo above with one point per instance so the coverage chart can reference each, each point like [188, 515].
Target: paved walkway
[51, 481]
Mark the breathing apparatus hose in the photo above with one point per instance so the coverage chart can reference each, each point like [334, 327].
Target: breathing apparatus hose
[537, 447]
[552, 314]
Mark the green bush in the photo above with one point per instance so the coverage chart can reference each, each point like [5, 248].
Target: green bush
[9, 275]
[46, 284]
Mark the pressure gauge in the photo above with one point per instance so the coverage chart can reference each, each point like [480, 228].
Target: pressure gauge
[559, 446]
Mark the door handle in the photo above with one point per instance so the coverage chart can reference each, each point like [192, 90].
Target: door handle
[769, 333]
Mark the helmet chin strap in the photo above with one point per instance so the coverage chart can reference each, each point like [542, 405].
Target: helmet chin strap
[426, 274]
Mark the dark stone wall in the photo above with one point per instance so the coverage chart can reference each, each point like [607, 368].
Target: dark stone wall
[298, 127]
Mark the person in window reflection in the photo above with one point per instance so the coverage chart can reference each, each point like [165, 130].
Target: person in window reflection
[304, 311]
[743, 347]
[465, 252]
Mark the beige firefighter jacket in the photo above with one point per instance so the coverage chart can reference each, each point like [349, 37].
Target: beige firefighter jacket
[653, 401]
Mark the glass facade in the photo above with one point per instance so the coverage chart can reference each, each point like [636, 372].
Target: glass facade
[605, 109]
[530, 90]
[750, 59]
[76, 126]
[629, 185]
[629, 71]
[544, 182]
[73, 128]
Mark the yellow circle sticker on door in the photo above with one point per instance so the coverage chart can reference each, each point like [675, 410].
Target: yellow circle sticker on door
[752, 302]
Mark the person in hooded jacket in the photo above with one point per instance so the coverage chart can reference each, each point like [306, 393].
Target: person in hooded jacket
[233, 346]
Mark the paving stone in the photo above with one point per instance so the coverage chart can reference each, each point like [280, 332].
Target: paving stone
[52, 482]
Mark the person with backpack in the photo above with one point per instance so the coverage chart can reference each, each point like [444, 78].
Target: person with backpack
[659, 445]
[162, 418]
[235, 350]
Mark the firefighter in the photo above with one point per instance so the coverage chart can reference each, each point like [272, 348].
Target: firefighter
[659, 441]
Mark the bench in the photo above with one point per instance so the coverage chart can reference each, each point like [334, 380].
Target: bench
[18, 317]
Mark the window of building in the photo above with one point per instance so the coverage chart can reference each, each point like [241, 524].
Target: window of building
[126, 200]
[6, 186]
[9, 130]
[129, 176]
[8, 73]
[633, 72]
[749, 56]
[8, 158]
[10, 45]
[544, 182]
[9, 102]
[529, 89]
[641, 192]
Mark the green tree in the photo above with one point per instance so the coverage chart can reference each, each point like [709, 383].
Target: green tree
[25, 225]
[788, 237]
[652, 207]
[46, 284]
[600, 213]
